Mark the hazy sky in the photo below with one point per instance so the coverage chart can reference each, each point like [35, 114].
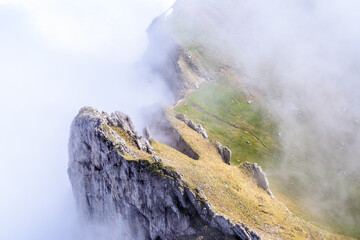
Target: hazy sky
[55, 57]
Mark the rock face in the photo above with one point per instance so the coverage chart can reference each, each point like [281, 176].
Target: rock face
[224, 152]
[153, 198]
[164, 132]
[147, 133]
[162, 56]
[196, 127]
[167, 59]
[260, 176]
[119, 119]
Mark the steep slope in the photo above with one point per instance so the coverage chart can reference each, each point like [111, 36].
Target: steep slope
[216, 93]
[111, 175]
[163, 193]
[178, 187]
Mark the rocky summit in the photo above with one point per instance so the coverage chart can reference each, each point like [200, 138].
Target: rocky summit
[164, 191]
[115, 172]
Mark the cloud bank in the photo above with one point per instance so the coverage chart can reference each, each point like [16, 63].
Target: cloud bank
[55, 57]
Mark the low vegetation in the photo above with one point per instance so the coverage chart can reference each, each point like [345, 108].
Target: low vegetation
[230, 189]
[235, 119]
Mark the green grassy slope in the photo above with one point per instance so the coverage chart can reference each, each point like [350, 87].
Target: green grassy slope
[223, 109]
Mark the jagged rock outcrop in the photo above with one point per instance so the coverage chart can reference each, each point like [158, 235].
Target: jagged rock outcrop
[260, 176]
[196, 127]
[153, 198]
[119, 119]
[166, 133]
[224, 152]
[147, 133]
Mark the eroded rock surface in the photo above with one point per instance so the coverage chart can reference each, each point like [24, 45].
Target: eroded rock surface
[196, 127]
[224, 152]
[123, 121]
[151, 197]
[165, 132]
[260, 176]
[147, 133]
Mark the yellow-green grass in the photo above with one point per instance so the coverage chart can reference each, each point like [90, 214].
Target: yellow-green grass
[231, 190]
[130, 143]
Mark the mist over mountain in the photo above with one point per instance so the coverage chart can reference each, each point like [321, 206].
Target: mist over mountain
[234, 119]
[303, 56]
[55, 57]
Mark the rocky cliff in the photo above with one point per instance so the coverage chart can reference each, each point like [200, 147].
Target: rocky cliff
[164, 192]
[178, 182]
[113, 175]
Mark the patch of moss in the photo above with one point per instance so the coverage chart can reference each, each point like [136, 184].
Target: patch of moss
[159, 169]
[106, 128]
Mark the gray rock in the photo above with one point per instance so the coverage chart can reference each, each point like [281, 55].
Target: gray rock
[164, 132]
[224, 152]
[152, 198]
[196, 127]
[156, 159]
[147, 133]
[144, 145]
[119, 119]
[182, 117]
[260, 176]
[226, 155]
[122, 120]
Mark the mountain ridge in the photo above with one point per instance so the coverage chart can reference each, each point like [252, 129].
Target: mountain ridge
[108, 179]
[236, 207]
